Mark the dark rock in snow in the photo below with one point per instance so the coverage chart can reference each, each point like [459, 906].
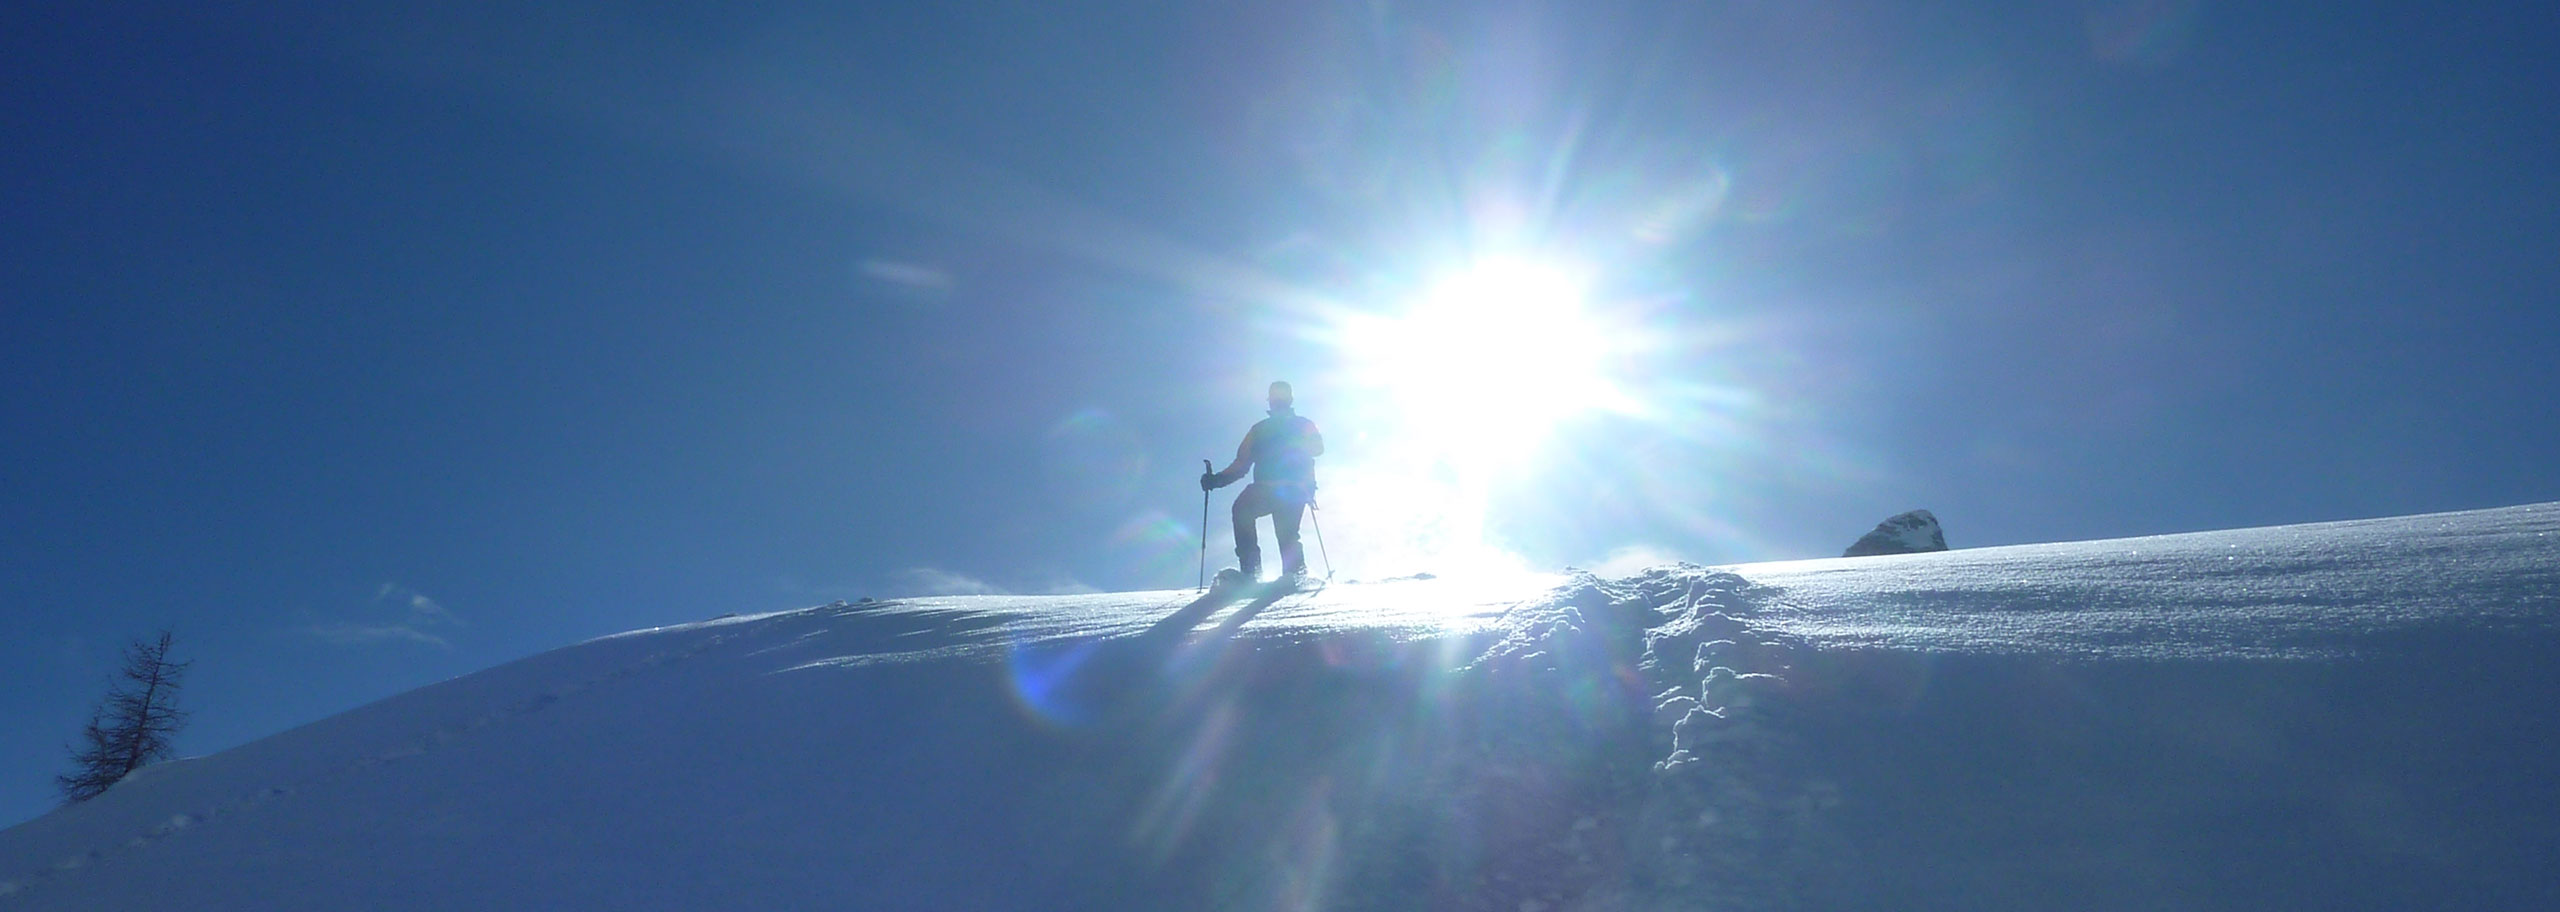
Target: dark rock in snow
[1907, 533]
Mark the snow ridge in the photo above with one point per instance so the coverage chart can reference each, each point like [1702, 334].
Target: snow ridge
[2332, 716]
[239, 803]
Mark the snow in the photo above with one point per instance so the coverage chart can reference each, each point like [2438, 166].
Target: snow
[2345, 715]
[2305, 591]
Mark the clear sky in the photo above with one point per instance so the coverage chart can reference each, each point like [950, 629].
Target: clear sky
[366, 349]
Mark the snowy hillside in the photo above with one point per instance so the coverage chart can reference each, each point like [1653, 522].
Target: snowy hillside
[2347, 715]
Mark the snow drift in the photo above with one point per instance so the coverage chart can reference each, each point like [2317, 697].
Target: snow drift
[2350, 715]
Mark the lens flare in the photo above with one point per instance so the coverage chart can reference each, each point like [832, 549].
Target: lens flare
[1486, 361]
[1463, 383]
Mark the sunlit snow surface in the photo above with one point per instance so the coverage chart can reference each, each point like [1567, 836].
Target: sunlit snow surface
[980, 625]
[2292, 591]
[2318, 716]
[2304, 591]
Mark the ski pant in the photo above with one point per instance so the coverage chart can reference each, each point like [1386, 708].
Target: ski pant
[1286, 505]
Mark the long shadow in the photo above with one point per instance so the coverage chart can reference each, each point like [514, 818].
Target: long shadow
[1189, 616]
[1133, 674]
[1185, 620]
[1170, 634]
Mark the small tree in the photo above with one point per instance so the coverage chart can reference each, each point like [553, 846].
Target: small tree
[132, 726]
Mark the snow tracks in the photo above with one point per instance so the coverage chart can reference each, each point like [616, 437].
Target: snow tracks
[1626, 748]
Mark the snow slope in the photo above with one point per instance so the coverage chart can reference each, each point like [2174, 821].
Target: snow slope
[2347, 715]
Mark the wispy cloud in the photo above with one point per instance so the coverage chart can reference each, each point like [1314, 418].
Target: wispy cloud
[420, 606]
[936, 581]
[396, 614]
[909, 276]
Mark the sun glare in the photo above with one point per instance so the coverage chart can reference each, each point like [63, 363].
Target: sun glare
[1458, 389]
[1486, 362]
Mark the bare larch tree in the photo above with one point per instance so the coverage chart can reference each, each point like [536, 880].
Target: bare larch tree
[132, 726]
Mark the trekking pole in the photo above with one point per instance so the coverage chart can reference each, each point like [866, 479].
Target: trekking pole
[1315, 517]
[1204, 529]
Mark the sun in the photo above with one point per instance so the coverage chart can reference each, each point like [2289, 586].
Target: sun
[1456, 392]
[1459, 390]
[1484, 364]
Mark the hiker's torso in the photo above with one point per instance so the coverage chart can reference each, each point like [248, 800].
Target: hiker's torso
[1283, 450]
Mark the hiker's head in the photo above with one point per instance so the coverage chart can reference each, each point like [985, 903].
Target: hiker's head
[1281, 397]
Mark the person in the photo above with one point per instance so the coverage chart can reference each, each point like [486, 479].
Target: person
[1282, 451]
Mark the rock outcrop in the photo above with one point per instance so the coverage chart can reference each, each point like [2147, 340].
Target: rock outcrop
[1907, 533]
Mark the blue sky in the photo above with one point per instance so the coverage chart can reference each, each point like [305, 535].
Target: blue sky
[368, 349]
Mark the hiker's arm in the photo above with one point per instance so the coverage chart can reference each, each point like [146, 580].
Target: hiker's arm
[1236, 469]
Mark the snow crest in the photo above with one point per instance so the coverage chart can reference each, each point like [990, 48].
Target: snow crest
[2333, 716]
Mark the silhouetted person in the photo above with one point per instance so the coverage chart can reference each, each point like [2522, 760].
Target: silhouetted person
[1282, 451]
